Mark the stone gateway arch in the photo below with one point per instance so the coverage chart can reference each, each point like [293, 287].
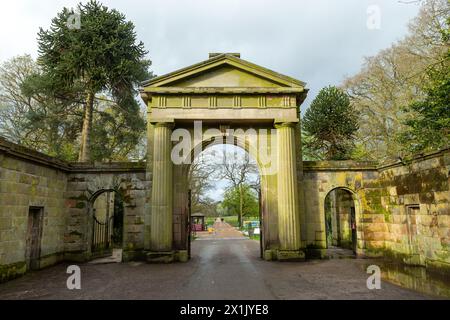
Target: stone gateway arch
[230, 100]
[53, 211]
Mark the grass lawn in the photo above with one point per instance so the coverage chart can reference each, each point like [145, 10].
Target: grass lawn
[232, 220]
[210, 220]
[255, 237]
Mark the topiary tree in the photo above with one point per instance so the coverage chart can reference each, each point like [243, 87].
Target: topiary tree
[102, 55]
[330, 124]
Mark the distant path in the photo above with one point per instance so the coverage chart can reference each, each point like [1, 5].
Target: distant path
[222, 231]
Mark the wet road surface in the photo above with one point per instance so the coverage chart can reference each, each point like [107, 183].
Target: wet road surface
[219, 269]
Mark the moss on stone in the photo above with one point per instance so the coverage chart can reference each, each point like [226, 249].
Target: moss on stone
[80, 205]
[11, 271]
[81, 197]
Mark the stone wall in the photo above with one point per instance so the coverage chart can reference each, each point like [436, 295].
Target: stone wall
[402, 209]
[29, 179]
[415, 198]
[322, 177]
[85, 184]
[65, 193]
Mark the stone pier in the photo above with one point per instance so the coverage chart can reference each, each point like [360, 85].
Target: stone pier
[288, 204]
[161, 227]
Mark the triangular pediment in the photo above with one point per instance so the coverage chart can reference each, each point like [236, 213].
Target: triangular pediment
[226, 71]
[225, 76]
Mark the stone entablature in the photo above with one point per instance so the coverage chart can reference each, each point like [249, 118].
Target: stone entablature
[217, 100]
[223, 87]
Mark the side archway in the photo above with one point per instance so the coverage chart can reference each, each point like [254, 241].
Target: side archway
[106, 215]
[342, 219]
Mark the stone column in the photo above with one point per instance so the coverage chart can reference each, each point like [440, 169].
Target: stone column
[288, 204]
[162, 190]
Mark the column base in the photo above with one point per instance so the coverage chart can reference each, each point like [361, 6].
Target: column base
[290, 255]
[284, 255]
[182, 256]
[268, 255]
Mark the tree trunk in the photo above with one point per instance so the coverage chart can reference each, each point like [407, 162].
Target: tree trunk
[85, 145]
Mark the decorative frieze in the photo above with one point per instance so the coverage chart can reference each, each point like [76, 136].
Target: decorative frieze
[213, 101]
[162, 101]
[262, 101]
[186, 102]
[224, 101]
[237, 102]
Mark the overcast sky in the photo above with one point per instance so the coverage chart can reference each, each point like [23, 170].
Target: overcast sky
[317, 41]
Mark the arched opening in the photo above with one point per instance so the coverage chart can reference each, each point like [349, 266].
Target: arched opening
[107, 222]
[340, 219]
[224, 185]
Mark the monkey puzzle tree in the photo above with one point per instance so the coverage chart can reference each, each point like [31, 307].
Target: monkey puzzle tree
[330, 124]
[101, 56]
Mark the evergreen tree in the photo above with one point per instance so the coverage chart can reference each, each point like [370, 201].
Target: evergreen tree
[330, 124]
[101, 56]
[35, 116]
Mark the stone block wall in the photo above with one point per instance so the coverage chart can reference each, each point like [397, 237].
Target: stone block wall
[64, 193]
[85, 184]
[402, 209]
[28, 181]
[416, 200]
[322, 177]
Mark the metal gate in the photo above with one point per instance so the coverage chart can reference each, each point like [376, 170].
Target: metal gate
[103, 222]
[102, 234]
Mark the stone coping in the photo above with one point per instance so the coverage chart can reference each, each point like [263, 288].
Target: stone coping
[351, 165]
[27, 154]
[414, 159]
[107, 166]
[346, 165]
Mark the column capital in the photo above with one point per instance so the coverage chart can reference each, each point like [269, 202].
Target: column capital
[278, 123]
[163, 123]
